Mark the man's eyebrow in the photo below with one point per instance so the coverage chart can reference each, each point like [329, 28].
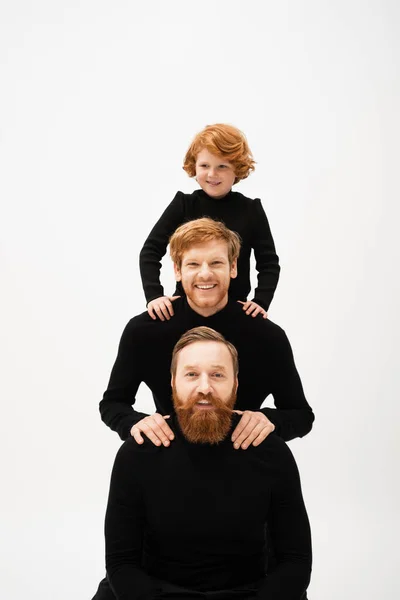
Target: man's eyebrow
[213, 258]
[191, 367]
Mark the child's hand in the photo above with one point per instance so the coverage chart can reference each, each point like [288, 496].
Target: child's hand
[253, 309]
[161, 307]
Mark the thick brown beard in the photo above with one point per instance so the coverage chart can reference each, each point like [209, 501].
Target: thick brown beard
[201, 426]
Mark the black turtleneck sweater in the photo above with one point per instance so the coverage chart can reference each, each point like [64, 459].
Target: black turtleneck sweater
[240, 214]
[266, 366]
[195, 515]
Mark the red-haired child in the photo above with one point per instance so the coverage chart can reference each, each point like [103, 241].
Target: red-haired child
[218, 157]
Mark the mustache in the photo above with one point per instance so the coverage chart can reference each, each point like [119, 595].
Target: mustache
[215, 402]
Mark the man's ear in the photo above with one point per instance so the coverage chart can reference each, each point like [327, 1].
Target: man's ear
[234, 269]
[236, 384]
[177, 272]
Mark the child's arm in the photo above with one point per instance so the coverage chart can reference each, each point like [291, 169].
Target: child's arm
[267, 261]
[155, 247]
[161, 308]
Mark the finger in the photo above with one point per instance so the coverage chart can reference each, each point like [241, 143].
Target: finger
[265, 315]
[159, 313]
[168, 304]
[264, 433]
[240, 426]
[164, 427]
[135, 433]
[151, 313]
[238, 412]
[173, 298]
[164, 311]
[257, 311]
[247, 306]
[253, 434]
[148, 428]
[161, 431]
[250, 309]
[246, 433]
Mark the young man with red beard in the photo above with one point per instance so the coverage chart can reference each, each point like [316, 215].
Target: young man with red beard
[188, 522]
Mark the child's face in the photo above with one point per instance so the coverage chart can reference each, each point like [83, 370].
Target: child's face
[214, 174]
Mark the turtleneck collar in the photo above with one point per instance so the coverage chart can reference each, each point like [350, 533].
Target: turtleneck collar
[203, 194]
[216, 316]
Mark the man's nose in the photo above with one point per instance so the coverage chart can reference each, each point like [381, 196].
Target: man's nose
[211, 171]
[205, 271]
[204, 386]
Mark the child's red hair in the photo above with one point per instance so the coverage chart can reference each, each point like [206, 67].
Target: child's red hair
[225, 141]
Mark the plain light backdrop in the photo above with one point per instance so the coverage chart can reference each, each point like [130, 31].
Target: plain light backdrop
[98, 103]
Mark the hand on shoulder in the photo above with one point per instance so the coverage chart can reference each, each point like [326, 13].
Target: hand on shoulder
[252, 308]
[161, 308]
[155, 428]
[252, 428]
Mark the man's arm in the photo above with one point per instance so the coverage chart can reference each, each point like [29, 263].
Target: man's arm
[290, 534]
[116, 407]
[124, 530]
[267, 261]
[293, 417]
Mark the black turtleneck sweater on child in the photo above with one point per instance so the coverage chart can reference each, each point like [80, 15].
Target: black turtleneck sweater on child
[240, 214]
[266, 366]
[195, 515]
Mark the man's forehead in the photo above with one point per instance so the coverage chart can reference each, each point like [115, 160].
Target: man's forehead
[213, 248]
[205, 364]
[205, 354]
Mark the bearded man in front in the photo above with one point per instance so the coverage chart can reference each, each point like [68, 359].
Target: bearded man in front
[188, 522]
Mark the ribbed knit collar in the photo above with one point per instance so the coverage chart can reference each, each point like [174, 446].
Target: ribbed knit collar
[202, 194]
[224, 313]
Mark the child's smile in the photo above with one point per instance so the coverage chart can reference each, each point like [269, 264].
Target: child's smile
[214, 174]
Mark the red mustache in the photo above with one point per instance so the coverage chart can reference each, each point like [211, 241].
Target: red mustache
[213, 400]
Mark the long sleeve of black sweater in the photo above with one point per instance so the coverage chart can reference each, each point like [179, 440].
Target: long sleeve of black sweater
[203, 512]
[155, 247]
[241, 214]
[266, 366]
[290, 534]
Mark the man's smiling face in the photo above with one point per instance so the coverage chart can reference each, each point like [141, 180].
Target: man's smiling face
[204, 391]
[205, 274]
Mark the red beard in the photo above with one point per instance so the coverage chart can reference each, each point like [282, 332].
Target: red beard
[204, 426]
